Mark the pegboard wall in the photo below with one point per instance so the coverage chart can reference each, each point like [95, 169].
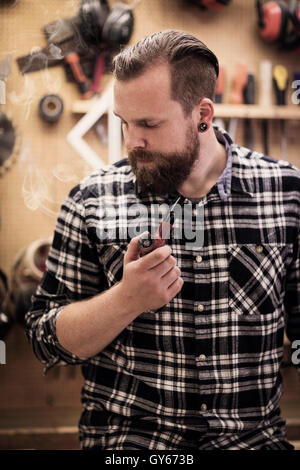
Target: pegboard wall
[32, 190]
[47, 166]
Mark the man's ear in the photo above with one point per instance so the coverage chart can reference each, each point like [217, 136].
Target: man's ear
[204, 112]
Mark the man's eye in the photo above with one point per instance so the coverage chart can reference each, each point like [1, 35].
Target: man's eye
[150, 126]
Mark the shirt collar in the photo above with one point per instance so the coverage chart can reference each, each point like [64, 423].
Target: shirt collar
[235, 177]
[224, 181]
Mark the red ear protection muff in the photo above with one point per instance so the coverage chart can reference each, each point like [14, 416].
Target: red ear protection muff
[272, 20]
[279, 23]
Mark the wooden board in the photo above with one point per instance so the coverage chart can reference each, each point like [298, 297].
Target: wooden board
[47, 165]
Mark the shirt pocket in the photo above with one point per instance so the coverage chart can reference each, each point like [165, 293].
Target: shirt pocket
[256, 278]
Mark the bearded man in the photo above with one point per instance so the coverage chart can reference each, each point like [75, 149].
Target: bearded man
[180, 348]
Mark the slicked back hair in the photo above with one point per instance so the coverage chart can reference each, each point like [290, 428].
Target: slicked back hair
[194, 67]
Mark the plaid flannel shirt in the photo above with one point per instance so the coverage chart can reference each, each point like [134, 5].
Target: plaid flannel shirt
[213, 353]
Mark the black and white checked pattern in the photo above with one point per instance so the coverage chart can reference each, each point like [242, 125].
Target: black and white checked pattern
[203, 371]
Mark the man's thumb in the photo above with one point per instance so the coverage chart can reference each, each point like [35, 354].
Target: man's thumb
[133, 250]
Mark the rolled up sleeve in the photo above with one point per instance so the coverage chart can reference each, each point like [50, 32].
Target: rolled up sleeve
[72, 273]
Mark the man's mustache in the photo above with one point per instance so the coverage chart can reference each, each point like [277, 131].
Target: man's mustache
[140, 154]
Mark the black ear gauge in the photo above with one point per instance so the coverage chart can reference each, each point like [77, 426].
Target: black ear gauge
[202, 127]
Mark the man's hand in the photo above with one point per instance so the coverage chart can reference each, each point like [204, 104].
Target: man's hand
[152, 281]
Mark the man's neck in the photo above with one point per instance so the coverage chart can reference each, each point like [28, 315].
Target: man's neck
[206, 171]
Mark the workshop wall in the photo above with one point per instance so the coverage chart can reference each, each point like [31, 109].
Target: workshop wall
[47, 167]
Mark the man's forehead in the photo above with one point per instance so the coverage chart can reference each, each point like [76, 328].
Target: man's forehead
[157, 77]
[146, 95]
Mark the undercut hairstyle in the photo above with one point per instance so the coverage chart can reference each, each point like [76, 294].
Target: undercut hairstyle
[194, 67]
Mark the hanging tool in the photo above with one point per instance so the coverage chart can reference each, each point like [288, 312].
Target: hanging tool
[265, 99]
[43, 58]
[220, 85]
[98, 72]
[8, 3]
[73, 60]
[236, 97]
[93, 15]
[280, 81]
[239, 82]
[63, 30]
[27, 272]
[5, 71]
[96, 27]
[6, 307]
[249, 98]
[9, 143]
[219, 95]
[51, 108]
[9, 139]
[67, 35]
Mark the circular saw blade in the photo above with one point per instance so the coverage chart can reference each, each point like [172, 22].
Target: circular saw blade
[8, 141]
[8, 3]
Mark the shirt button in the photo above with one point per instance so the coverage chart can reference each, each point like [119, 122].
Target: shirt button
[202, 357]
[259, 248]
[203, 407]
[198, 259]
[200, 308]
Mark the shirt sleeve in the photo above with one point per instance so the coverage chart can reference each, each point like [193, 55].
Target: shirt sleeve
[72, 274]
[292, 298]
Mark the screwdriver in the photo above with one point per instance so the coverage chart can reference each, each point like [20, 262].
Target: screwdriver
[220, 84]
[98, 72]
[265, 99]
[280, 82]
[236, 97]
[239, 82]
[249, 98]
[73, 60]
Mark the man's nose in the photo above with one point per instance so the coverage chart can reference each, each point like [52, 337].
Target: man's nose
[133, 139]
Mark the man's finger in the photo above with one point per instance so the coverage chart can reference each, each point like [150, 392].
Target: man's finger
[133, 250]
[157, 256]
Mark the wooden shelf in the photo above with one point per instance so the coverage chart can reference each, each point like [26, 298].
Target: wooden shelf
[253, 111]
[223, 110]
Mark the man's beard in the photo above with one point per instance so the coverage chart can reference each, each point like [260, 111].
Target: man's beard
[166, 172]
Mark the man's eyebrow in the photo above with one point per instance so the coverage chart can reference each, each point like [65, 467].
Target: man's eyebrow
[144, 119]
